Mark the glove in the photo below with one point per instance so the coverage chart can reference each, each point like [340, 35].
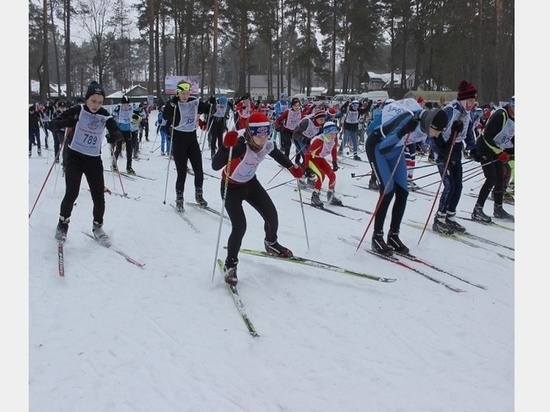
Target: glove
[230, 138]
[296, 171]
[202, 124]
[503, 157]
[335, 166]
[212, 100]
[457, 126]
[114, 137]
[472, 153]
[71, 122]
[408, 127]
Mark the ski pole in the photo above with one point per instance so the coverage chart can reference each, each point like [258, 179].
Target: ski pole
[226, 184]
[48, 174]
[280, 184]
[114, 163]
[303, 213]
[170, 154]
[360, 176]
[280, 170]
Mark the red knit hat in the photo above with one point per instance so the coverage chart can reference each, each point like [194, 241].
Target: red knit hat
[258, 124]
[466, 91]
[319, 114]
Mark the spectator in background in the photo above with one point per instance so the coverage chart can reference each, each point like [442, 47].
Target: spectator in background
[59, 135]
[351, 127]
[35, 122]
[244, 109]
[286, 122]
[125, 116]
[218, 124]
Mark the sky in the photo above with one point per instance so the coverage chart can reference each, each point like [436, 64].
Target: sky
[141, 339]
[167, 336]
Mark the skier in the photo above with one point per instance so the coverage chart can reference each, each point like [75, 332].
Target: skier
[448, 146]
[88, 122]
[493, 150]
[181, 114]
[239, 183]
[321, 146]
[402, 122]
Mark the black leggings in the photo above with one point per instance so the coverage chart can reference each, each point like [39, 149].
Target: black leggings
[254, 193]
[185, 147]
[77, 165]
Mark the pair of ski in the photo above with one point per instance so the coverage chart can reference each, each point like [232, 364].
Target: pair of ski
[295, 259]
[108, 245]
[413, 258]
[460, 237]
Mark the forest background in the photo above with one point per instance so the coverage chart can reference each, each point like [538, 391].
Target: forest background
[327, 43]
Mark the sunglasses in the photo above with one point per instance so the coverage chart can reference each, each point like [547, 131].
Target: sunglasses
[184, 87]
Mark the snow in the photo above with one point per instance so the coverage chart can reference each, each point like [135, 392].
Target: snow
[166, 337]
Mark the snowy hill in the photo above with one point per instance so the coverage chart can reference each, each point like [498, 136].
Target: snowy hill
[110, 336]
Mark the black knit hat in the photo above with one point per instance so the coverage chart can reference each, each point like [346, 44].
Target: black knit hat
[434, 118]
[466, 91]
[94, 88]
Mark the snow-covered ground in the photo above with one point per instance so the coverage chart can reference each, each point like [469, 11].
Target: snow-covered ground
[110, 336]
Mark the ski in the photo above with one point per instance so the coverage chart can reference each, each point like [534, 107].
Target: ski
[459, 239]
[414, 258]
[122, 174]
[310, 189]
[60, 257]
[478, 238]
[118, 251]
[358, 209]
[185, 218]
[399, 262]
[123, 195]
[491, 223]
[239, 304]
[207, 208]
[211, 175]
[317, 264]
[329, 211]
[136, 175]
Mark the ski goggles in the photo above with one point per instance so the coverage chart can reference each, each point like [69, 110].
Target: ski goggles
[185, 87]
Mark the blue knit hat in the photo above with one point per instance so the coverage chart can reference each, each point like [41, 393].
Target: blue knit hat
[222, 100]
[330, 127]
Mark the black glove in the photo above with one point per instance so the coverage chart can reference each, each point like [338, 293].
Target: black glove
[408, 127]
[474, 155]
[114, 137]
[72, 121]
[212, 100]
[335, 166]
[457, 126]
